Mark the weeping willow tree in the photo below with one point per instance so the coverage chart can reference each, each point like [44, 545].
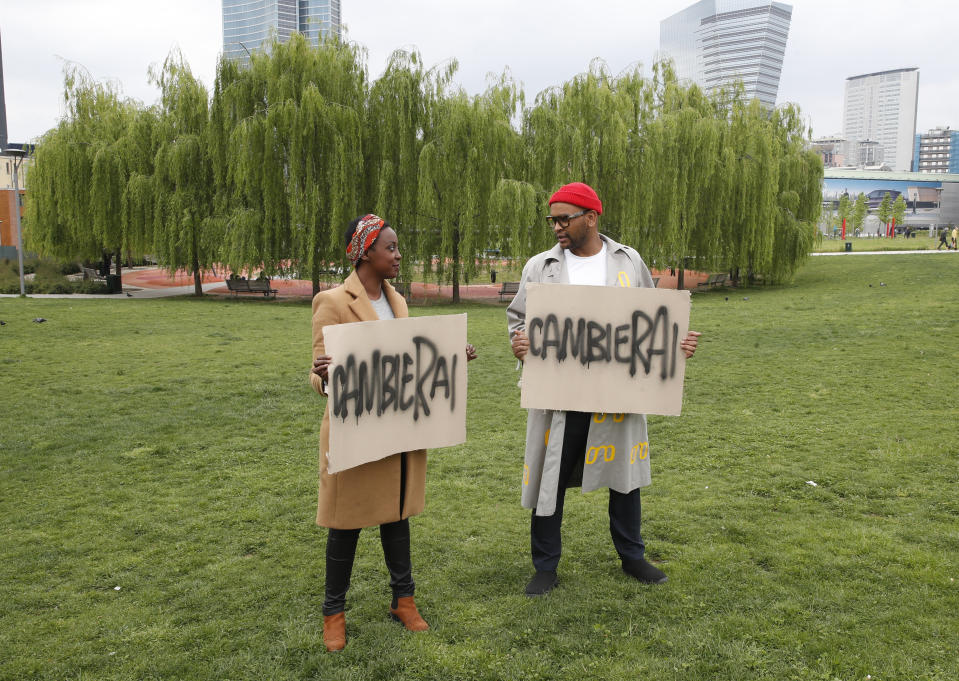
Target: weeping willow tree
[138, 200]
[268, 173]
[752, 208]
[683, 183]
[78, 197]
[287, 148]
[690, 180]
[470, 146]
[586, 130]
[398, 112]
[800, 195]
[186, 235]
[516, 215]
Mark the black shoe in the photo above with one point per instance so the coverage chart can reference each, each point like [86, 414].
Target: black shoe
[644, 571]
[541, 583]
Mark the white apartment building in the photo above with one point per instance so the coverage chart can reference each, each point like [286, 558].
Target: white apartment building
[881, 107]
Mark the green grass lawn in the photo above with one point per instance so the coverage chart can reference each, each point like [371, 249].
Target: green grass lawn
[158, 467]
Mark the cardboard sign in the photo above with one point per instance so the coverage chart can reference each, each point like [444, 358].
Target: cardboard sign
[395, 385]
[605, 349]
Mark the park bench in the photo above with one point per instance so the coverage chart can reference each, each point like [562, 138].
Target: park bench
[717, 280]
[250, 286]
[509, 288]
[90, 274]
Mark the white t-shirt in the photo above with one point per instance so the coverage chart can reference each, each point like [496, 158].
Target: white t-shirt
[382, 307]
[588, 271]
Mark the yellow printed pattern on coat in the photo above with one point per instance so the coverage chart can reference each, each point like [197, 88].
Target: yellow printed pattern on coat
[617, 418]
[608, 452]
[623, 279]
[640, 451]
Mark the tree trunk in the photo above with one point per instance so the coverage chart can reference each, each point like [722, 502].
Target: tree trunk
[680, 279]
[105, 265]
[456, 266]
[119, 263]
[197, 279]
[315, 275]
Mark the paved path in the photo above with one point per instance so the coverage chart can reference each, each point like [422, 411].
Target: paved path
[130, 293]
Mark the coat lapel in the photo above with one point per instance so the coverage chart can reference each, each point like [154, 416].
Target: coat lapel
[360, 304]
[555, 270]
[397, 302]
[362, 307]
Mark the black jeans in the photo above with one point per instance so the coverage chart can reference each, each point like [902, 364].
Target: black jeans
[546, 541]
[341, 549]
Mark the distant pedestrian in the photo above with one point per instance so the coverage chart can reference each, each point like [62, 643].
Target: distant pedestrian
[955, 236]
[943, 240]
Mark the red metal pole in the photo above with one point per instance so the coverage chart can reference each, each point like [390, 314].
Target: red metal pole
[892, 230]
[844, 229]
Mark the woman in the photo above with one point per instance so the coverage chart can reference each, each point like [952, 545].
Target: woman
[385, 492]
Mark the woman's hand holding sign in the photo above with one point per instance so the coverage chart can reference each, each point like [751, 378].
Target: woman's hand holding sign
[689, 343]
[321, 366]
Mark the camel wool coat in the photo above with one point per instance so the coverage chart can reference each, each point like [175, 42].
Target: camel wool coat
[381, 491]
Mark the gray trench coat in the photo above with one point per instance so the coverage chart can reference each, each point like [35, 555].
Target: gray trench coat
[617, 448]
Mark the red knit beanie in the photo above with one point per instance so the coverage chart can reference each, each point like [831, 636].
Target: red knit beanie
[578, 194]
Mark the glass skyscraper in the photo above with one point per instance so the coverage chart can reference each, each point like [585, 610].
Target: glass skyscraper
[247, 24]
[716, 42]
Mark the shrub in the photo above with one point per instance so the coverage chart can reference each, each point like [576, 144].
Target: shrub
[89, 286]
[47, 278]
[9, 277]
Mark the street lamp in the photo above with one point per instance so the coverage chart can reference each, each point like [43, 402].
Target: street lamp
[18, 155]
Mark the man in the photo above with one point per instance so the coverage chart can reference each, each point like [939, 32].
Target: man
[943, 239]
[955, 237]
[557, 442]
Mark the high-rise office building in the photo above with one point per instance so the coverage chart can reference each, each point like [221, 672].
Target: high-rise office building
[717, 42]
[936, 151]
[881, 107]
[247, 24]
[3, 109]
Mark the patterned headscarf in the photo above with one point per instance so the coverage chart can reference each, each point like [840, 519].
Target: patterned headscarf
[366, 232]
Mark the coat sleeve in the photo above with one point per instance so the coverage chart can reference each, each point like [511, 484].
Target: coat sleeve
[516, 311]
[644, 278]
[324, 314]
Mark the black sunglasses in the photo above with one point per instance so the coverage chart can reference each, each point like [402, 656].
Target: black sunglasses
[563, 220]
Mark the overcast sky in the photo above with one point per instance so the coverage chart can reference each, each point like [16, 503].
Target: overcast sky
[542, 42]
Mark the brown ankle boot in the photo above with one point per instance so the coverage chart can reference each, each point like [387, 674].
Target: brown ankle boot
[334, 631]
[406, 612]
